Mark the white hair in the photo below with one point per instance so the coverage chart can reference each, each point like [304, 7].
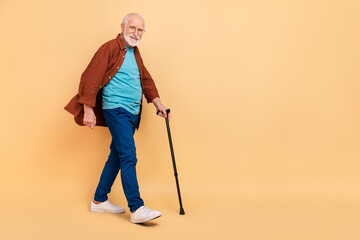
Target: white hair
[126, 18]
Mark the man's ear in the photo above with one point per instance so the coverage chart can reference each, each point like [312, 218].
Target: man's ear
[122, 27]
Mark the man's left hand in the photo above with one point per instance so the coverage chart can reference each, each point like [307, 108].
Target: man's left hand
[161, 108]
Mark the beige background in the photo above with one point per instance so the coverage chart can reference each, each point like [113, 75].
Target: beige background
[265, 119]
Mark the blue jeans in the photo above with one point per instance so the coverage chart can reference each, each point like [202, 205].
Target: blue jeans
[121, 124]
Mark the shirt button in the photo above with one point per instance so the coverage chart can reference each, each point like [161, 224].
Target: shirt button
[123, 56]
[100, 86]
[109, 77]
[118, 67]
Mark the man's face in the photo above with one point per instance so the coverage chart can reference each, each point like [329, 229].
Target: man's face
[133, 31]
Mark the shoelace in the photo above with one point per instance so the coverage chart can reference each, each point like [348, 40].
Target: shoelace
[145, 211]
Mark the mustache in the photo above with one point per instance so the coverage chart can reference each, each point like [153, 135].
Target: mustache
[132, 35]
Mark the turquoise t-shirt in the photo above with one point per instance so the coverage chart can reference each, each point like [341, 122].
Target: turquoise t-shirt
[124, 89]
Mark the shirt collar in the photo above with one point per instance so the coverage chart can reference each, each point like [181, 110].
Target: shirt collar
[121, 41]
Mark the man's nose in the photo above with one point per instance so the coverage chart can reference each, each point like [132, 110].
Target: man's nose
[136, 33]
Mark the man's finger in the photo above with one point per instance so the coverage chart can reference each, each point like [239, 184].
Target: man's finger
[164, 113]
[160, 113]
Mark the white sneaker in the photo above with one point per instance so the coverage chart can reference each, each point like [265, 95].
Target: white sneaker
[106, 206]
[144, 214]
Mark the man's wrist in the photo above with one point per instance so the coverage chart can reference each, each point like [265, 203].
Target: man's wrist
[156, 102]
[87, 108]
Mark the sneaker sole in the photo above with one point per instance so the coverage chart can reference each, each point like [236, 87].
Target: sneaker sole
[105, 210]
[147, 220]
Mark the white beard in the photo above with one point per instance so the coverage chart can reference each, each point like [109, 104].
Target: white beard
[128, 40]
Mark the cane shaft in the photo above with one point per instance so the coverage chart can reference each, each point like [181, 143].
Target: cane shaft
[174, 165]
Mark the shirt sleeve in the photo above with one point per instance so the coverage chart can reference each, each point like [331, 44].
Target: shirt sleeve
[149, 87]
[92, 78]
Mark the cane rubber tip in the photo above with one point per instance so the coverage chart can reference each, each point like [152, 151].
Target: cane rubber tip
[182, 212]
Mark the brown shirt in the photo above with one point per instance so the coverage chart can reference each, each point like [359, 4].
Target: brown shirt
[103, 66]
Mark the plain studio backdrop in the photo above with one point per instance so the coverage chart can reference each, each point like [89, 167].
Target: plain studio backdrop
[265, 100]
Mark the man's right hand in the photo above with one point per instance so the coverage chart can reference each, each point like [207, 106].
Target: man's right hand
[89, 117]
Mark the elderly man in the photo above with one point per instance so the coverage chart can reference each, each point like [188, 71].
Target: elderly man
[110, 94]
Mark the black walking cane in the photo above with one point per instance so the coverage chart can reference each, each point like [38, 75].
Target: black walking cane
[173, 160]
